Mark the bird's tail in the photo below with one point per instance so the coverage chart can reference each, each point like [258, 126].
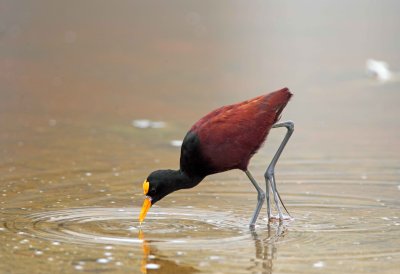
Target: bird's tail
[278, 100]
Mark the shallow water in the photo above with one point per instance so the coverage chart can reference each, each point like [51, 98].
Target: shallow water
[72, 161]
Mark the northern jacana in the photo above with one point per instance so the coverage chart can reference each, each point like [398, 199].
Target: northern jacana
[222, 140]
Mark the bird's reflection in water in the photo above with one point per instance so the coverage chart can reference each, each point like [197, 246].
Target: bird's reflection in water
[153, 262]
[265, 246]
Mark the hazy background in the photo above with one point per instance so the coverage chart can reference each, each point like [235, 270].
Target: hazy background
[75, 74]
[133, 58]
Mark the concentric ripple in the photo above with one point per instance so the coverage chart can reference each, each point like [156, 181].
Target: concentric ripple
[335, 215]
[119, 226]
[335, 220]
[354, 225]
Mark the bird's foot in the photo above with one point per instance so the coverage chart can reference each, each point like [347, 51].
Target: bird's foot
[275, 218]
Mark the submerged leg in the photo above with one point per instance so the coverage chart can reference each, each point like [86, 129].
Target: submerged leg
[260, 198]
[270, 173]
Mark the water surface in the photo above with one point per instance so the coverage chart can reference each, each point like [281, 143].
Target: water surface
[74, 77]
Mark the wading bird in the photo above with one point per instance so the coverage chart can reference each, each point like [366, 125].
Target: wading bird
[225, 139]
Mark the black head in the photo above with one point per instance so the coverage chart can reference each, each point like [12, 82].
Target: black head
[161, 183]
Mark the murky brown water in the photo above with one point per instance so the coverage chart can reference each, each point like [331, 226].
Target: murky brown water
[75, 75]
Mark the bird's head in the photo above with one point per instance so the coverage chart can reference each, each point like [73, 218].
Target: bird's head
[158, 184]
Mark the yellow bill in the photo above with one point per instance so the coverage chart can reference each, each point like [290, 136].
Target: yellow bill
[146, 206]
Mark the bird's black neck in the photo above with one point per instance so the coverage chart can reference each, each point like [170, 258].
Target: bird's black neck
[163, 182]
[178, 179]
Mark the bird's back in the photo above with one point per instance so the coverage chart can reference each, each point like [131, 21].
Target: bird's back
[229, 136]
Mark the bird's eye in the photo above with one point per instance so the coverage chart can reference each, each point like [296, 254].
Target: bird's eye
[146, 186]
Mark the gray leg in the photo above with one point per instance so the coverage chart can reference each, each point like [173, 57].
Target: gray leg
[268, 201]
[260, 198]
[270, 173]
[276, 197]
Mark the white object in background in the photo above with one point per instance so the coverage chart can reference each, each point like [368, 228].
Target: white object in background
[144, 123]
[176, 143]
[378, 69]
[141, 123]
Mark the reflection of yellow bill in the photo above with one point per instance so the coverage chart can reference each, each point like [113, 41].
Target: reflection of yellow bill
[146, 252]
[146, 206]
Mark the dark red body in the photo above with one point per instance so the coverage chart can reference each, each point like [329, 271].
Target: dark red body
[224, 139]
[229, 136]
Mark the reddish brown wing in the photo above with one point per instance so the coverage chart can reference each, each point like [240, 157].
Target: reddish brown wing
[229, 136]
